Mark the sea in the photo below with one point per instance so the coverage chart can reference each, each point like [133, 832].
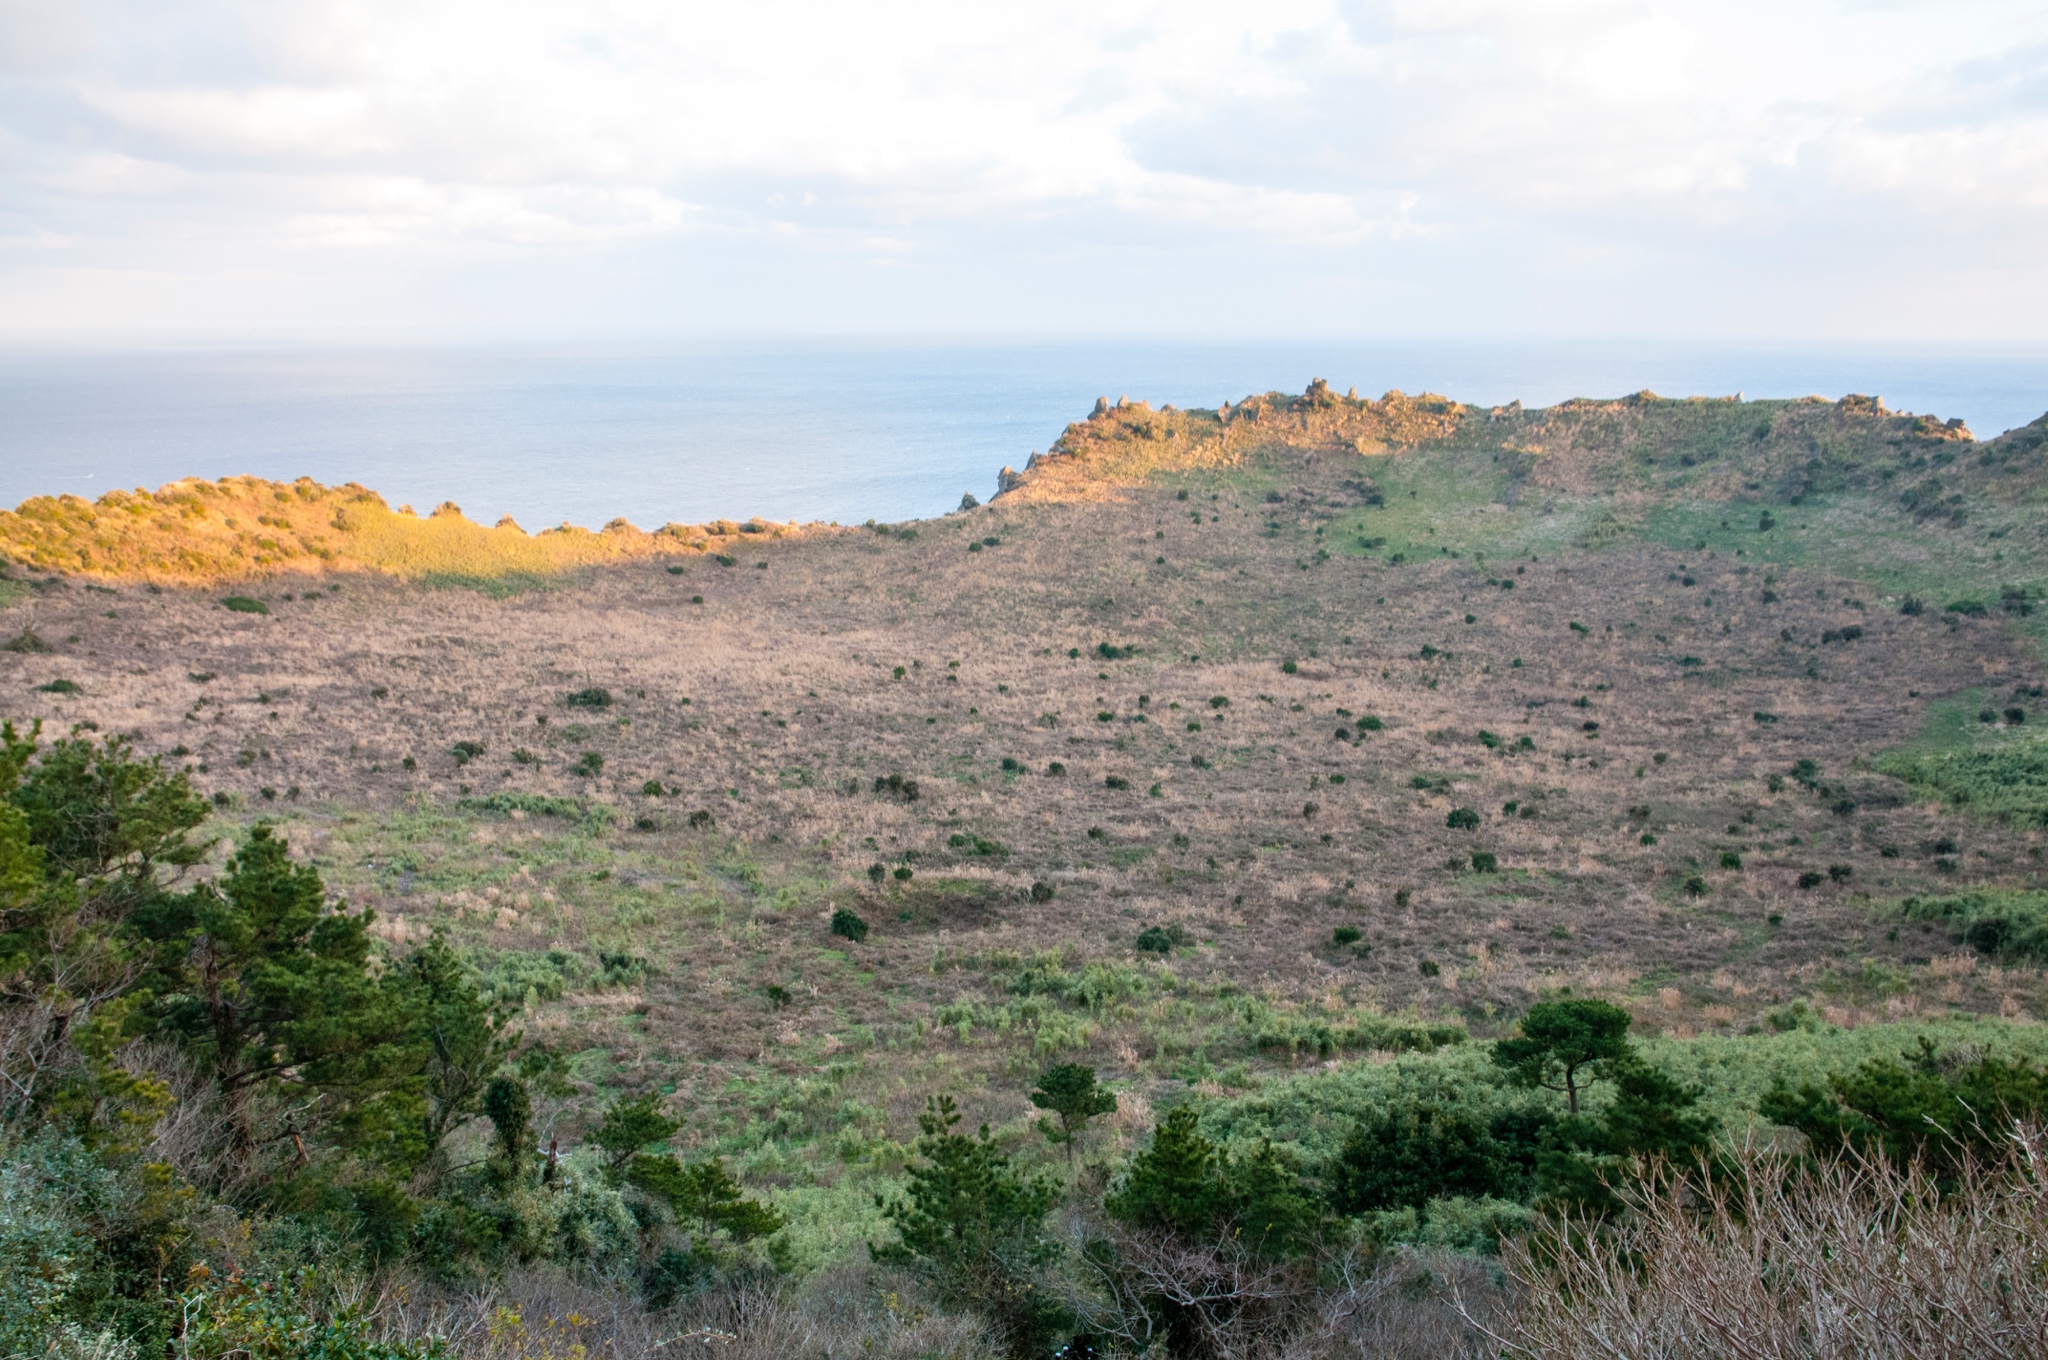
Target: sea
[839, 430]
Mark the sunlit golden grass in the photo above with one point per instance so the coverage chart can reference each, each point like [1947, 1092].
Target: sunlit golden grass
[241, 527]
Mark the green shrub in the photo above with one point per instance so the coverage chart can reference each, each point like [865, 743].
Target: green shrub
[594, 697]
[896, 786]
[244, 604]
[465, 751]
[61, 686]
[1370, 723]
[1343, 935]
[1485, 862]
[1041, 891]
[652, 789]
[1161, 939]
[1462, 819]
[590, 766]
[849, 925]
[2005, 923]
[702, 820]
[1811, 878]
[1922, 1108]
[1289, 667]
[1973, 609]
[1731, 859]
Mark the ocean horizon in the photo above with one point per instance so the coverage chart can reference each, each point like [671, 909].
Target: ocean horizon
[841, 430]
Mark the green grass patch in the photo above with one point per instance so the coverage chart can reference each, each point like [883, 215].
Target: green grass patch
[2008, 782]
[499, 586]
[2007, 923]
[578, 810]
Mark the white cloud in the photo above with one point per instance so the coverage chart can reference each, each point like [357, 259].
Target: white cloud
[1458, 163]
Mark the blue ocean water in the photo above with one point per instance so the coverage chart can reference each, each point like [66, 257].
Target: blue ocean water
[837, 430]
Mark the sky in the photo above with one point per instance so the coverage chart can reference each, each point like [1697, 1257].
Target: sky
[1848, 169]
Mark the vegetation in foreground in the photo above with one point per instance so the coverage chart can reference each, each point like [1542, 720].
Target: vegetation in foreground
[1080, 923]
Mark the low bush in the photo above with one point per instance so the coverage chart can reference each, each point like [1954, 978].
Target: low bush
[1161, 939]
[594, 697]
[244, 604]
[849, 925]
[896, 786]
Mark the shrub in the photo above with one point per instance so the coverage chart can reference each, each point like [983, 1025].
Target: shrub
[1695, 886]
[896, 786]
[1370, 723]
[652, 789]
[1289, 667]
[904, 873]
[1811, 878]
[1462, 819]
[1865, 1259]
[61, 686]
[1485, 862]
[1161, 939]
[1730, 859]
[1041, 891]
[849, 925]
[27, 643]
[1055, 767]
[465, 751]
[701, 820]
[2005, 923]
[1343, 935]
[594, 697]
[1972, 609]
[1912, 605]
[590, 766]
[244, 604]
[1922, 1109]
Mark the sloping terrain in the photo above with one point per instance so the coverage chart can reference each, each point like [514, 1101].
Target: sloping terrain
[1618, 696]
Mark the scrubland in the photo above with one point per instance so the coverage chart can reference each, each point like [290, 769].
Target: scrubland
[1266, 761]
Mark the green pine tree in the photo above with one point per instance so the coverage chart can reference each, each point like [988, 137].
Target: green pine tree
[1070, 1091]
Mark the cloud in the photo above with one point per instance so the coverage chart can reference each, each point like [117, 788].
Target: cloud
[1455, 163]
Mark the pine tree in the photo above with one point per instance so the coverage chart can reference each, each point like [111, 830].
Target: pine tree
[278, 992]
[1565, 1046]
[1070, 1091]
[462, 1038]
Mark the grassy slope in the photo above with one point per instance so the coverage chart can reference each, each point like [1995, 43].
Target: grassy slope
[244, 527]
[774, 705]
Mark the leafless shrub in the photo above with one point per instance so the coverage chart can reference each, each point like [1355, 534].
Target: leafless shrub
[1405, 1306]
[1210, 1297]
[1853, 1258]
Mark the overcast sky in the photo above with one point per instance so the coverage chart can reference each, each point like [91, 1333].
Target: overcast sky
[1184, 168]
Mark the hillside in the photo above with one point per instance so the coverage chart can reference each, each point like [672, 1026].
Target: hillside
[1377, 721]
[238, 527]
